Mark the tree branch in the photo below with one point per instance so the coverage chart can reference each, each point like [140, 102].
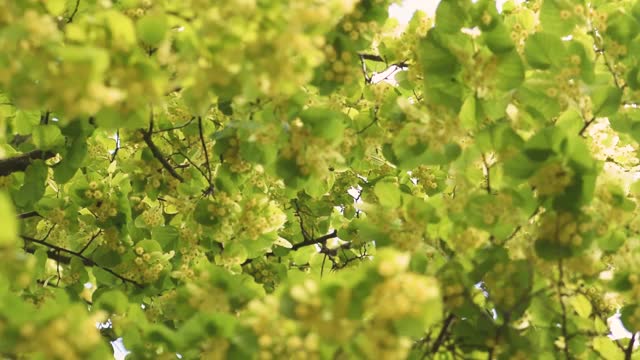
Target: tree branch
[319, 240]
[629, 349]
[442, 335]
[206, 153]
[21, 162]
[146, 136]
[75, 11]
[93, 237]
[565, 335]
[586, 125]
[85, 260]
[487, 168]
[175, 127]
[29, 214]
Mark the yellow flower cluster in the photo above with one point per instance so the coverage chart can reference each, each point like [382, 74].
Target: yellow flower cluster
[551, 179]
[278, 337]
[401, 296]
[147, 266]
[256, 216]
[469, 240]
[263, 273]
[313, 155]
[563, 228]
[59, 338]
[502, 285]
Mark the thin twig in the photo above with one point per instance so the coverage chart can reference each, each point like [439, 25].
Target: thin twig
[629, 350]
[146, 136]
[22, 162]
[565, 335]
[375, 120]
[28, 215]
[322, 266]
[90, 241]
[586, 125]
[75, 11]
[84, 259]
[319, 240]
[305, 234]
[442, 335]
[115, 151]
[175, 127]
[44, 118]
[487, 168]
[367, 79]
[204, 148]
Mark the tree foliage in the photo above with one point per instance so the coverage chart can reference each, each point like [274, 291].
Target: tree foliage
[225, 179]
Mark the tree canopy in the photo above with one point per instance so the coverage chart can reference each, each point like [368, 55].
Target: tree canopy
[231, 179]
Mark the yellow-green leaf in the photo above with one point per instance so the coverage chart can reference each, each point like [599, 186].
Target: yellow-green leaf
[8, 222]
[581, 305]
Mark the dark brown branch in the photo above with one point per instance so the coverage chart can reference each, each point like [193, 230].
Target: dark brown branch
[180, 16]
[44, 118]
[319, 240]
[175, 127]
[90, 241]
[563, 324]
[487, 168]
[115, 151]
[191, 162]
[146, 136]
[75, 11]
[629, 350]
[375, 120]
[367, 79]
[53, 255]
[85, 260]
[305, 234]
[21, 162]
[28, 215]
[442, 335]
[586, 125]
[372, 57]
[204, 148]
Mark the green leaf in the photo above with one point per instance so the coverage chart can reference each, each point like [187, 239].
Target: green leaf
[110, 118]
[613, 241]
[34, 184]
[450, 16]
[622, 27]
[510, 73]
[9, 233]
[499, 39]
[72, 159]
[542, 50]
[25, 121]
[558, 17]
[435, 58]
[149, 246]
[112, 301]
[55, 7]
[388, 194]
[605, 100]
[581, 305]
[47, 137]
[204, 212]
[409, 326]
[325, 123]
[166, 236]
[122, 29]
[468, 113]
[607, 348]
[152, 29]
